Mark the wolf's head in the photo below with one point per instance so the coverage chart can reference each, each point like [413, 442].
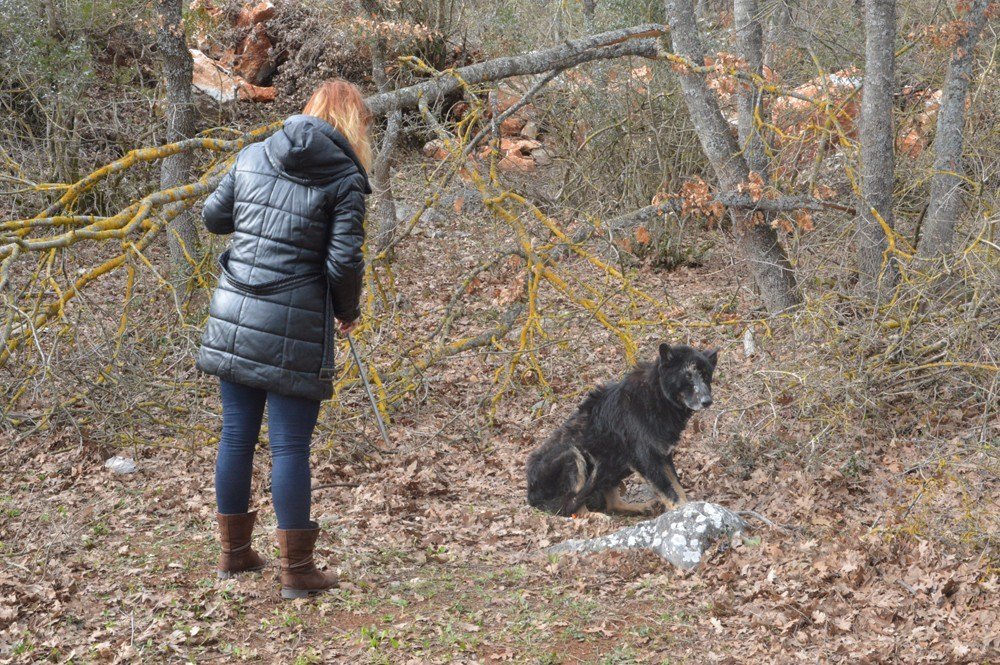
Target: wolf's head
[686, 375]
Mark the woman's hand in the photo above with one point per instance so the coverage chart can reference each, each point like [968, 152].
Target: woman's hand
[347, 326]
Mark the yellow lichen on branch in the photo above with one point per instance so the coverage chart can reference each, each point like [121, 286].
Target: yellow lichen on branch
[145, 217]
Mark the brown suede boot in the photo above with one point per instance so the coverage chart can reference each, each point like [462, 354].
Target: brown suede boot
[237, 556]
[299, 575]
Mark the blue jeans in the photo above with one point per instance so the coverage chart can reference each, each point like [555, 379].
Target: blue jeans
[291, 421]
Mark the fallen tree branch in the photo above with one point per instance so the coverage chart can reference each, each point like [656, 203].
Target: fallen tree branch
[780, 204]
[154, 154]
[637, 40]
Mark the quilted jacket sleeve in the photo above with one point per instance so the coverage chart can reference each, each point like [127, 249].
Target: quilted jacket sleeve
[345, 265]
[218, 211]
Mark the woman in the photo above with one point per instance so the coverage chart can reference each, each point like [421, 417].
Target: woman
[295, 205]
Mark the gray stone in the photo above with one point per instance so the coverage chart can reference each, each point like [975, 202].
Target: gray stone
[541, 157]
[682, 536]
[434, 216]
[463, 199]
[406, 211]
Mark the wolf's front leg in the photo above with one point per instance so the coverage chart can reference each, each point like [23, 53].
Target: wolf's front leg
[616, 504]
[660, 473]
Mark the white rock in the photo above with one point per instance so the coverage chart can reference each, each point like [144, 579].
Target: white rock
[682, 536]
[120, 464]
[749, 347]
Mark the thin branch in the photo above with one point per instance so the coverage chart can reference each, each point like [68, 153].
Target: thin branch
[730, 199]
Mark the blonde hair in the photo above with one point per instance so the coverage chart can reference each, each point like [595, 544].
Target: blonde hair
[340, 103]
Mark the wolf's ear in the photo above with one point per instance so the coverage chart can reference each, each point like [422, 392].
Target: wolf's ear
[713, 357]
[666, 353]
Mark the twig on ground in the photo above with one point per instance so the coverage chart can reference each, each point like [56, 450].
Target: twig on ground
[784, 527]
[324, 486]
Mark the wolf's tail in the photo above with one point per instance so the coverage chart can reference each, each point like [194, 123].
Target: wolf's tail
[586, 468]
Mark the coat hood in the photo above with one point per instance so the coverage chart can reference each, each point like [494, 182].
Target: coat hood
[309, 150]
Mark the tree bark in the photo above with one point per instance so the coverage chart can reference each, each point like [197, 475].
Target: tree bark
[749, 106]
[876, 265]
[781, 19]
[946, 204]
[759, 242]
[381, 175]
[386, 220]
[177, 66]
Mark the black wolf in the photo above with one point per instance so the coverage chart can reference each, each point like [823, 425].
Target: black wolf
[622, 428]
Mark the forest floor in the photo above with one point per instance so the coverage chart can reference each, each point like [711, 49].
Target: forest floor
[885, 552]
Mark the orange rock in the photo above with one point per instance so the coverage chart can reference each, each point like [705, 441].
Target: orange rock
[211, 79]
[254, 15]
[804, 123]
[511, 126]
[253, 61]
[505, 99]
[912, 143]
[256, 93]
[521, 147]
[435, 150]
[227, 58]
[516, 162]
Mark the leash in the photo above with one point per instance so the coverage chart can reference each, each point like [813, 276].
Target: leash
[371, 396]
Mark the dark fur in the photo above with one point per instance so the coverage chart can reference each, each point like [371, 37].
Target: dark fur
[631, 426]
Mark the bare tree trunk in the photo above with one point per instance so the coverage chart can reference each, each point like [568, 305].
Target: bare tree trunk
[381, 172]
[876, 265]
[777, 31]
[946, 205]
[750, 47]
[759, 242]
[177, 169]
[382, 168]
[386, 216]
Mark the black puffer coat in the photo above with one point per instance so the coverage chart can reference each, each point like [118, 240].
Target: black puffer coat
[295, 205]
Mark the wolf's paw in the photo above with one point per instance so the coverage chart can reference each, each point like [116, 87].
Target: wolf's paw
[655, 508]
[664, 505]
[590, 515]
